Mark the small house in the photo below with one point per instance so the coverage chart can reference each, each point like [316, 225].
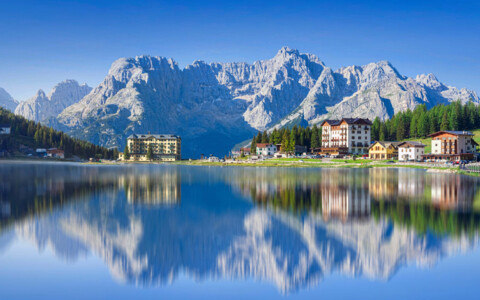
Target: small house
[411, 151]
[266, 149]
[383, 150]
[5, 129]
[54, 152]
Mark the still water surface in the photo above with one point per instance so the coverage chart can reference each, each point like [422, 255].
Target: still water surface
[71, 231]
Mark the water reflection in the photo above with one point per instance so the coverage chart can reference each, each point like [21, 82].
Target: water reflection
[290, 227]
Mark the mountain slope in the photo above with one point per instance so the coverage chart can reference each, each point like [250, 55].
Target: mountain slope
[373, 90]
[6, 101]
[214, 106]
[147, 93]
[41, 107]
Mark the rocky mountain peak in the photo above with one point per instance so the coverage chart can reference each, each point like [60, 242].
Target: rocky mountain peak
[429, 80]
[209, 102]
[41, 106]
[6, 101]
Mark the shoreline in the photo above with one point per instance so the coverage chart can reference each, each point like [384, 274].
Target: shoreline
[274, 163]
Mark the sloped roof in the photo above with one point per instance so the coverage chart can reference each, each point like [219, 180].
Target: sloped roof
[386, 144]
[411, 144]
[348, 120]
[157, 136]
[264, 145]
[454, 132]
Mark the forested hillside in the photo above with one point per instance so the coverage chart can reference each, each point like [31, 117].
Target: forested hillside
[27, 134]
[416, 124]
[421, 122]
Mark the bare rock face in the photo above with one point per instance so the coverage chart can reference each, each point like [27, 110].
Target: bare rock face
[373, 90]
[6, 101]
[151, 94]
[214, 106]
[41, 107]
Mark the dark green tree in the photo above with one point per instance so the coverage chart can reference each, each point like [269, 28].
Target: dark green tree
[150, 152]
[265, 137]
[314, 140]
[126, 153]
[253, 147]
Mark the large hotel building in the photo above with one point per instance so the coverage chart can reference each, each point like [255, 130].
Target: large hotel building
[348, 135]
[165, 147]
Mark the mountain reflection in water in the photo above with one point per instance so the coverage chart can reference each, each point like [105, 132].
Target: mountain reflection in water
[290, 227]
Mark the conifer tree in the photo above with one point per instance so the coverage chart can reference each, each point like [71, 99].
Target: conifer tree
[253, 146]
[265, 137]
[400, 129]
[445, 125]
[383, 132]
[314, 139]
[258, 139]
[293, 139]
[376, 129]
[150, 152]
[126, 153]
[285, 142]
[413, 127]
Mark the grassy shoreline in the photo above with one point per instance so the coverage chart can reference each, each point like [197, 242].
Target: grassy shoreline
[293, 163]
[283, 163]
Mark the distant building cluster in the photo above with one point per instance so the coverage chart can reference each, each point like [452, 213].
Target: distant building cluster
[352, 136]
[163, 147]
[51, 152]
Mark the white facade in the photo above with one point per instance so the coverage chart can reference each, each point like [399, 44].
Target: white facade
[410, 152]
[453, 142]
[266, 149]
[352, 134]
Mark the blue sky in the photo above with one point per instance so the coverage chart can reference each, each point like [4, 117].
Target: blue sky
[45, 42]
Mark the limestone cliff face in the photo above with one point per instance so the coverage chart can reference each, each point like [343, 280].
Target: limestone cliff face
[6, 101]
[147, 93]
[41, 107]
[373, 90]
[213, 106]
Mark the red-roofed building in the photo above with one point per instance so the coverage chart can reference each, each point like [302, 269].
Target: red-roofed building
[54, 152]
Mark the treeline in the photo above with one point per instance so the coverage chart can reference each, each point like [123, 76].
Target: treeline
[421, 122]
[35, 135]
[418, 123]
[288, 138]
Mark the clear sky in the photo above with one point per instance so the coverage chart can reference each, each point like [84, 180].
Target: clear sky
[44, 42]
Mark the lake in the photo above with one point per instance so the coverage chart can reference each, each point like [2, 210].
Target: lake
[72, 231]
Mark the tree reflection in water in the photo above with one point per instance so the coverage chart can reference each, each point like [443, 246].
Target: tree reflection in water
[151, 223]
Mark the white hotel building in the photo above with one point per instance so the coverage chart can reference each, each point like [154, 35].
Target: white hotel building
[348, 135]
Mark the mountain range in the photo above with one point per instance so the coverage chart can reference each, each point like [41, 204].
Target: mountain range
[41, 107]
[213, 106]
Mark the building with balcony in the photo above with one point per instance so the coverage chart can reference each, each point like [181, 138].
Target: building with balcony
[452, 145]
[165, 147]
[348, 135]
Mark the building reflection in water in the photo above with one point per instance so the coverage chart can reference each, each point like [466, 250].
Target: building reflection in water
[345, 195]
[453, 192]
[304, 225]
[152, 189]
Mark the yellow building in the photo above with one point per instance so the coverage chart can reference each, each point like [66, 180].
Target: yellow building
[383, 150]
[165, 147]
